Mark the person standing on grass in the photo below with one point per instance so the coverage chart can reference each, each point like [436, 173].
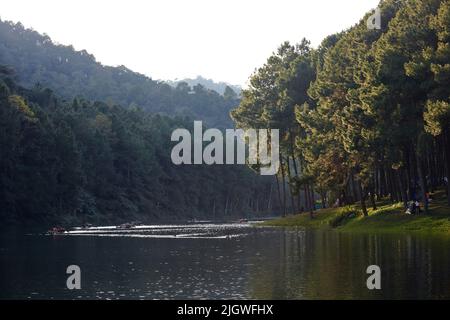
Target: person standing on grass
[417, 204]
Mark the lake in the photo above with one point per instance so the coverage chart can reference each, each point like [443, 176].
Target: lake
[222, 261]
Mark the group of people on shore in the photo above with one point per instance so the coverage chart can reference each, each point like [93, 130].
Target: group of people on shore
[413, 206]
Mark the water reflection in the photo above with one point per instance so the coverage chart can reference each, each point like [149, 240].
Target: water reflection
[331, 265]
[223, 262]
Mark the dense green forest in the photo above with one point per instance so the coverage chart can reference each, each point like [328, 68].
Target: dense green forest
[70, 73]
[81, 161]
[67, 157]
[364, 115]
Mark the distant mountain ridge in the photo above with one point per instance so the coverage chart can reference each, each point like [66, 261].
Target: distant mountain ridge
[36, 59]
[210, 84]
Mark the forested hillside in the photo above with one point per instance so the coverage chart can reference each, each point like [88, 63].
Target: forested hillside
[365, 115]
[220, 87]
[37, 60]
[82, 161]
[65, 157]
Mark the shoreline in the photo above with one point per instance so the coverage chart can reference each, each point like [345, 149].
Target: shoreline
[387, 218]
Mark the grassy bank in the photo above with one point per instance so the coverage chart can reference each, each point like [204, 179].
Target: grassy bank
[387, 218]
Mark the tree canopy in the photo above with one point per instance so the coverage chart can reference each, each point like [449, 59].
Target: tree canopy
[366, 114]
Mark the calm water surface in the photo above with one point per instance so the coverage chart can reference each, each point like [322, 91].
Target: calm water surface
[223, 261]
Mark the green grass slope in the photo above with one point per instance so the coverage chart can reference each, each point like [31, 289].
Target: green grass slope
[388, 218]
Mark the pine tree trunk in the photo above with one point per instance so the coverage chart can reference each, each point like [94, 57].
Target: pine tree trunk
[384, 181]
[390, 185]
[376, 181]
[372, 200]
[269, 201]
[313, 199]
[283, 185]
[447, 156]
[402, 189]
[362, 200]
[429, 166]
[311, 202]
[353, 189]
[305, 194]
[279, 191]
[290, 188]
[409, 173]
[421, 181]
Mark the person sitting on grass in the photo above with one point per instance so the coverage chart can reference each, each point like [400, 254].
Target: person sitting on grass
[417, 205]
[411, 208]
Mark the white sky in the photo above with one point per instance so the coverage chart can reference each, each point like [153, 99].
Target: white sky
[166, 39]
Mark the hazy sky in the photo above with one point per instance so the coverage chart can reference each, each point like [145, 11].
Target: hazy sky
[166, 39]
